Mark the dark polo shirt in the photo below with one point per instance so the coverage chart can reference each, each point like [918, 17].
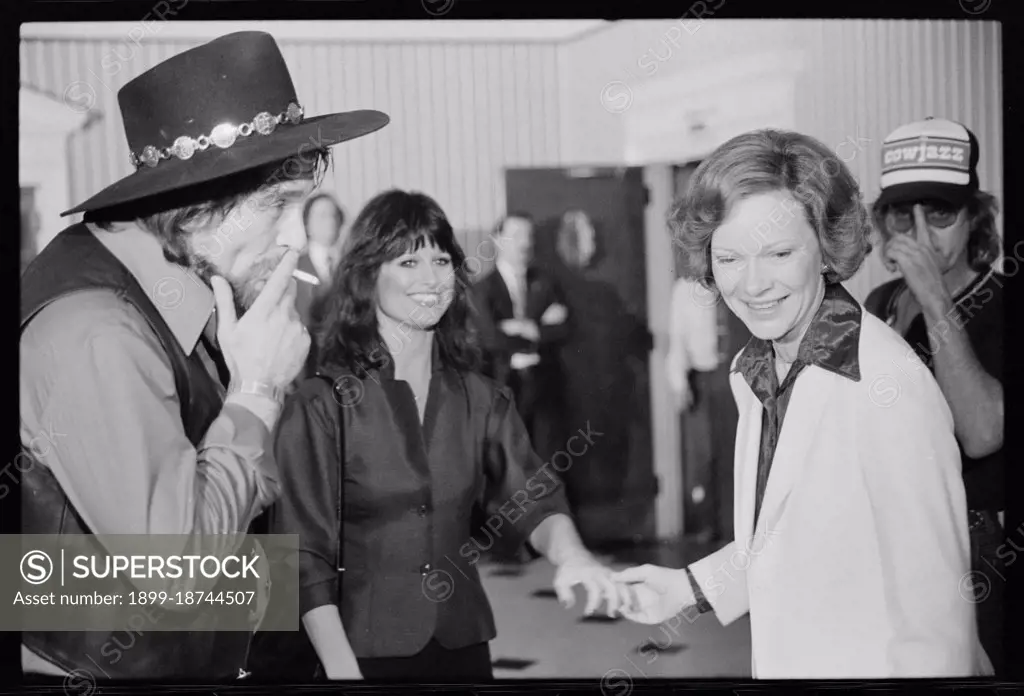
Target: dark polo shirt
[979, 309]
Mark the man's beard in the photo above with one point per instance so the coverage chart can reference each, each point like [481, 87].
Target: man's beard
[245, 290]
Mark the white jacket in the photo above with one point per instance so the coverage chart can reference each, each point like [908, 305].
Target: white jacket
[860, 564]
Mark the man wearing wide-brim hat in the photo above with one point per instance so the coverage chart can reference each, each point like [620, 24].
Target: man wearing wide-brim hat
[157, 336]
[940, 234]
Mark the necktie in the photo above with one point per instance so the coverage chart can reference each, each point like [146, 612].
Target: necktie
[520, 305]
[330, 263]
[223, 373]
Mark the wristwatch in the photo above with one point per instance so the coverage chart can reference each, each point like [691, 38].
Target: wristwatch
[261, 389]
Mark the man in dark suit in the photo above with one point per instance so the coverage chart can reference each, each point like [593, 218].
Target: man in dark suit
[521, 316]
[323, 219]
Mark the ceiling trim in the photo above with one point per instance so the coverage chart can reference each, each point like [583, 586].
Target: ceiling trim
[461, 31]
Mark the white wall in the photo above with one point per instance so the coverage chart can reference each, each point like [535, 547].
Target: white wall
[599, 70]
[43, 130]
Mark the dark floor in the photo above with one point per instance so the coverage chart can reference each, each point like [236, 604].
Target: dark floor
[537, 638]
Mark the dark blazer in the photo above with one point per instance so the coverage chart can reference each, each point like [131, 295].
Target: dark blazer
[408, 500]
[492, 304]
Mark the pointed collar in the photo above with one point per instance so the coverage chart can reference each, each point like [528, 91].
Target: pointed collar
[831, 341]
[182, 299]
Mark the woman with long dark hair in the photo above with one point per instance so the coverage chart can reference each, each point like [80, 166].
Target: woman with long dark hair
[386, 454]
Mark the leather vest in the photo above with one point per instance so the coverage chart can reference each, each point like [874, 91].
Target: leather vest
[75, 261]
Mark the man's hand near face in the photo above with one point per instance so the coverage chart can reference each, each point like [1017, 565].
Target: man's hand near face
[921, 271]
[268, 344]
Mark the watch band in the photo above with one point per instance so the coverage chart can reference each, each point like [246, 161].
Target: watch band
[703, 606]
[261, 389]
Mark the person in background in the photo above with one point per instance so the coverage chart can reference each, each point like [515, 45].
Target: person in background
[851, 542]
[692, 338]
[521, 316]
[324, 221]
[703, 339]
[602, 360]
[387, 452]
[158, 335]
[940, 234]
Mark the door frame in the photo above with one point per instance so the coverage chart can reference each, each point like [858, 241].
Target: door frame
[666, 439]
[44, 128]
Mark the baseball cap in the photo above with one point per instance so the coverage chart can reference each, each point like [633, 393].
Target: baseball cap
[929, 159]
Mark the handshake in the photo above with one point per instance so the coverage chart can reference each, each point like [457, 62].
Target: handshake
[645, 594]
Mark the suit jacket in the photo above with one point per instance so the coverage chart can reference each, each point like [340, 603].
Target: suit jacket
[492, 305]
[859, 564]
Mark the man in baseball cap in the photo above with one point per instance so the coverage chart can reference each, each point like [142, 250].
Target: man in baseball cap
[939, 234]
[927, 159]
[158, 336]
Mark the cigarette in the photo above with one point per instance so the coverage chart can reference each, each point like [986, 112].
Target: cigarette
[305, 277]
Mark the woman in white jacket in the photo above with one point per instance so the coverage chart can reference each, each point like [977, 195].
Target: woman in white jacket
[850, 546]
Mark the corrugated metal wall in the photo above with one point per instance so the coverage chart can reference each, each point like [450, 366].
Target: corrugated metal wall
[460, 113]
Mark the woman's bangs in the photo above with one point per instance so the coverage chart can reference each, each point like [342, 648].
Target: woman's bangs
[411, 241]
[403, 240]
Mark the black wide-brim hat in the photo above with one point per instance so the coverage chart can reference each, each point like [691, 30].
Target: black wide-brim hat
[219, 109]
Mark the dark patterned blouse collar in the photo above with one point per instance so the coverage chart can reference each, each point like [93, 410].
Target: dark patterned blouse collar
[831, 341]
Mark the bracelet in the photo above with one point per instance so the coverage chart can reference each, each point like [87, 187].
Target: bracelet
[261, 389]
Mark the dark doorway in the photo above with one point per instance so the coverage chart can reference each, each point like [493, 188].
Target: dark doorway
[605, 362]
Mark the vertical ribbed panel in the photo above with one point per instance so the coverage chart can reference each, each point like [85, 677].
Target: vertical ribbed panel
[460, 113]
[866, 77]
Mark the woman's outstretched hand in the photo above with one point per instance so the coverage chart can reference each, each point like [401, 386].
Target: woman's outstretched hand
[656, 593]
[596, 579]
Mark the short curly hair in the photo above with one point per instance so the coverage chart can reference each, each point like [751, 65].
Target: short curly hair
[764, 161]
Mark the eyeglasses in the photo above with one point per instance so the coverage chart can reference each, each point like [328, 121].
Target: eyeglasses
[940, 214]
